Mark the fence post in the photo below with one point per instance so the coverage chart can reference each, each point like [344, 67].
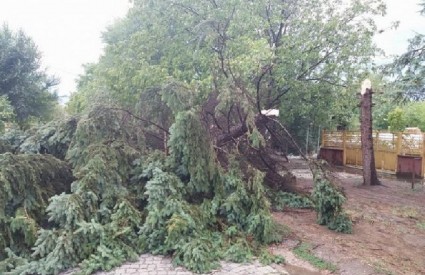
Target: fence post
[344, 151]
[375, 140]
[423, 155]
[323, 138]
[398, 149]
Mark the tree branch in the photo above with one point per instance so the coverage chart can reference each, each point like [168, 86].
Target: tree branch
[140, 118]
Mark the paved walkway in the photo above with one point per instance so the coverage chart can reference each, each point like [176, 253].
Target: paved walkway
[160, 265]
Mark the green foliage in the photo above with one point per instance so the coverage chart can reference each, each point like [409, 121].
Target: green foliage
[409, 114]
[118, 237]
[191, 154]
[291, 55]
[95, 225]
[244, 202]
[396, 120]
[239, 252]
[186, 221]
[341, 223]
[267, 258]
[304, 252]
[11, 140]
[52, 138]
[25, 85]
[328, 200]
[164, 199]
[280, 200]
[6, 112]
[421, 225]
[199, 254]
[124, 202]
[26, 184]
[11, 261]
[415, 115]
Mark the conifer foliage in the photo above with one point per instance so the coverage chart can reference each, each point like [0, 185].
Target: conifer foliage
[328, 199]
[126, 199]
[26, 184]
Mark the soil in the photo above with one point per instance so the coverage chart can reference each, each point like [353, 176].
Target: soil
[388, 226]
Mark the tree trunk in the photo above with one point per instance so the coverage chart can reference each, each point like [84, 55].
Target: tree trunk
[369, 170]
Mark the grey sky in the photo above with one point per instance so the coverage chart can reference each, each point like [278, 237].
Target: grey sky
[411, 22]
[68, 32]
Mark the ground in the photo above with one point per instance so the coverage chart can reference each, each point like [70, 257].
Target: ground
[389, 226]
[388, 235]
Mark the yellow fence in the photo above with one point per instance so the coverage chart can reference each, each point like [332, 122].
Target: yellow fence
[387, 147]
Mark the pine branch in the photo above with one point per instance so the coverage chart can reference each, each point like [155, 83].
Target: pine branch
[140, 118]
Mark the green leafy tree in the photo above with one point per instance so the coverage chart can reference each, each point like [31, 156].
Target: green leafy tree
[411, 114]
[415, 115]
[302, 57]
[396, 119]
[22, 81]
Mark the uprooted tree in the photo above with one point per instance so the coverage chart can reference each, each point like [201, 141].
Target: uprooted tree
[178, 158]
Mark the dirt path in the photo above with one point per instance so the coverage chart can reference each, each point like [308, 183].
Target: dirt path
[389, 227]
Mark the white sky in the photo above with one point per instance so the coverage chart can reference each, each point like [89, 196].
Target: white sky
[411, 22]
[68, 32]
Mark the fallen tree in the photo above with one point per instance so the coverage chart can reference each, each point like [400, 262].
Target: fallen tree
[192, 199]
[126, 199]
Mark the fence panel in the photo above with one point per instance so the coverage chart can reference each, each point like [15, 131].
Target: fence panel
[332, 139]
[353, 146]
[412, 144]
[387, 147]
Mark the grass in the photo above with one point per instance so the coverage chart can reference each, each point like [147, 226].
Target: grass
[304, 252]
[381, 269]
[283, 230]
[406, 212]
[421, 225]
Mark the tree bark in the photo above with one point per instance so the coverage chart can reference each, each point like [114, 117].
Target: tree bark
[369, 170]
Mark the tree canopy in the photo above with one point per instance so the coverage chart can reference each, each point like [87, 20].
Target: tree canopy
[26, 87]
[302, 57]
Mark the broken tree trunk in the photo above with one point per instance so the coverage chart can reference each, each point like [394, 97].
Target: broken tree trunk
[369, 170]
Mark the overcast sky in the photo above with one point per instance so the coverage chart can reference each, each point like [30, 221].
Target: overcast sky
[68, 32]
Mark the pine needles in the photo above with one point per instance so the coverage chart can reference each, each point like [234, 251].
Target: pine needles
[328, 200]
[26, 184]
[125, 199]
